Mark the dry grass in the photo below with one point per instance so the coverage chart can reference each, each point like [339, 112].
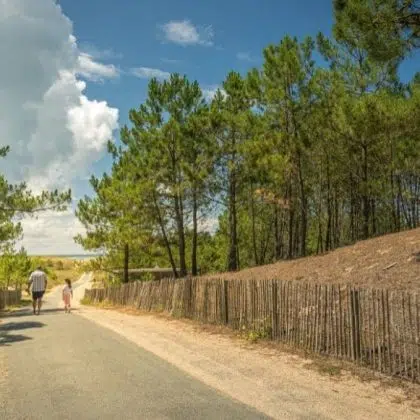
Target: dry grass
[61, 269]
[391, 261]
[99, 279]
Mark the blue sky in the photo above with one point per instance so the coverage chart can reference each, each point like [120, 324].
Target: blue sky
[130, 31]
[89, 63]
[129, 34]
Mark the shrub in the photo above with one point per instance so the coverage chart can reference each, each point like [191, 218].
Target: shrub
[59, 265]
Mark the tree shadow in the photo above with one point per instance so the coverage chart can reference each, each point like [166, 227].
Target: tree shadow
[5, 329]
[8, 339]
[28, 312]
[17, 326]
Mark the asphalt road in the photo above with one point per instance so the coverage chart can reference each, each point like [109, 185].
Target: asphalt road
[60, 366]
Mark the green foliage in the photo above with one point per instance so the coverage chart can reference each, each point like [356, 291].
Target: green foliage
[387, 29]
[147, 277]
[14, 268]
[291, 159]
[262, 331]
[17, 201]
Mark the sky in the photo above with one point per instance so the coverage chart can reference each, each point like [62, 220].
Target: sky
[72, 70]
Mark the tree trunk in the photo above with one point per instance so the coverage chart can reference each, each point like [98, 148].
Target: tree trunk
[365, 196]
[336, 235]
[399, 201]
[352, 211]
[126, 261]
[165, 237]
[296, 243]
[277, 238]
[265, 242]
[374, 222]
[254, 233]
[328, 239]
[179, 216]
[394, 199]
[233, 234]
[194, 267]
[291, 222]
[303, 209]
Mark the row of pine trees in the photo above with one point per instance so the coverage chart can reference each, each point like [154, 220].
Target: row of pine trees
[315, 149]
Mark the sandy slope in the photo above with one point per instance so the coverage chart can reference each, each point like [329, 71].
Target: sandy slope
[391, 261]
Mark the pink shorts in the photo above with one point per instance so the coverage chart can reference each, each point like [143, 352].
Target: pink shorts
[66, 298]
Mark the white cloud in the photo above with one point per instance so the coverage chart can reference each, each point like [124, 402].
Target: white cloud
[54, 130]
[149, 73]
[245, 56]
[185, 33]
[209, 92]
[94, 71]
[99, 54]
[49, 234]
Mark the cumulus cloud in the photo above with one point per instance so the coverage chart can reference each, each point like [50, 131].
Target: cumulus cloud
[99, 54]
[52, 233]
[185, 33]
[54, 130]
[149, 73]
[94, 71]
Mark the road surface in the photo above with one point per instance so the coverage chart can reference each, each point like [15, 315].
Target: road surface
[60, 366]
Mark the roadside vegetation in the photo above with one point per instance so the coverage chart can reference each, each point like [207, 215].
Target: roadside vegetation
[17, 201]
[315, 149]
[15, 269]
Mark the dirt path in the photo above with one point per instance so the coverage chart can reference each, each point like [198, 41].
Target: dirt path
[279, 386]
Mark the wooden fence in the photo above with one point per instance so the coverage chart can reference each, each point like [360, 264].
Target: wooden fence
[376, 328]
[9, 297]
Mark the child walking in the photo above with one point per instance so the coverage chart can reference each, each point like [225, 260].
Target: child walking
[67, 295]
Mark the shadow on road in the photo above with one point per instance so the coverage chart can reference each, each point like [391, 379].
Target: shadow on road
[6, 340]
[16, 326]
[28, 312]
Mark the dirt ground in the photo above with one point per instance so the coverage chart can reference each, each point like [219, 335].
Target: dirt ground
[280, 384]
[391, 261]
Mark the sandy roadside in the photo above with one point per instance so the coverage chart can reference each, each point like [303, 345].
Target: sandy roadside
[277, 384]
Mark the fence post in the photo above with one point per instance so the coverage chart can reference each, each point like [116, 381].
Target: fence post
[226, 298]
[274, 315]
[187, 297]
[355, 324]
[190, 295]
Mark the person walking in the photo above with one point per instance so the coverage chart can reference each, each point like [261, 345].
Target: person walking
[38, 281]
[67, 295]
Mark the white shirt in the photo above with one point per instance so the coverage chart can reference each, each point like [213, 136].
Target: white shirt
[67, 289]
[38, 280]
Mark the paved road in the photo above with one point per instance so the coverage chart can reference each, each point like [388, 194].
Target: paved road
[60, 366]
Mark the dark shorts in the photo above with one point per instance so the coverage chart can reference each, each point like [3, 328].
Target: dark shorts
[37, 295]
